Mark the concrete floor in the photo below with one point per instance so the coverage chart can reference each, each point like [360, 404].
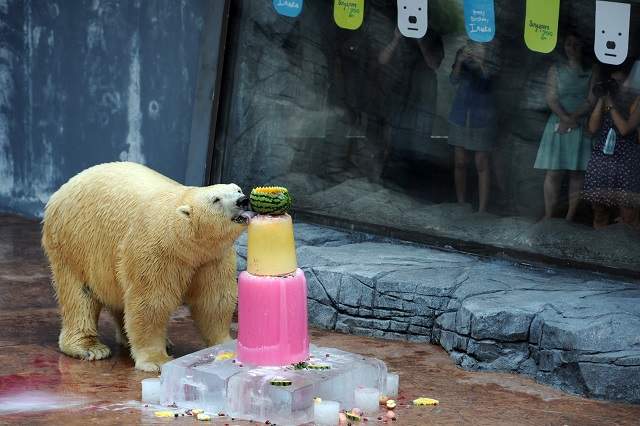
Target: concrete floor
[40, 385]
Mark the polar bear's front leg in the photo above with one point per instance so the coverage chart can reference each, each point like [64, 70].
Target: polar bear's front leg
[146, 323]
[212, 298]
[151, 295]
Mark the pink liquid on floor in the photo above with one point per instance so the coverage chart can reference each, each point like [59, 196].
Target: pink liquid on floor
[272, 319]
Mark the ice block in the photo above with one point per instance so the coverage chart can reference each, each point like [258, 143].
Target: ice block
[272, 319]
[251, 396]
[271, 249]
[199, 380]
[367, 399]
[326, 413]
[210, 380]
[151, 390]
[392, 385]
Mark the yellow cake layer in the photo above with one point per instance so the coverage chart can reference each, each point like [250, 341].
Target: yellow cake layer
[271, 248]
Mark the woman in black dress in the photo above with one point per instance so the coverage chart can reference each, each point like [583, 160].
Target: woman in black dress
[612, 178]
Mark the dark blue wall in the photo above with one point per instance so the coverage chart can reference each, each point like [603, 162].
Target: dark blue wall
[86, 82]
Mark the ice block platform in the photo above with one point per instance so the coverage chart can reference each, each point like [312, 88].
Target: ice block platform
[214, 380]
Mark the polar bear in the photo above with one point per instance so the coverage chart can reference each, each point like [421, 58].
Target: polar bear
[123, 237]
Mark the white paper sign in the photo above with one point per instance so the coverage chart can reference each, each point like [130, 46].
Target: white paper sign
[413, 18]
[612, 32]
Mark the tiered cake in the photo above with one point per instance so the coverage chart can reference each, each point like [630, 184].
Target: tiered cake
[270, 372]
[272, 296]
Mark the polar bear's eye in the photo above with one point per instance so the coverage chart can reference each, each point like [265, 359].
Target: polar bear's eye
[215, 200]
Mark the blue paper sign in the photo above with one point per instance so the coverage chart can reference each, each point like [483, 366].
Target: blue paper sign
[290, 8]
[479, 20]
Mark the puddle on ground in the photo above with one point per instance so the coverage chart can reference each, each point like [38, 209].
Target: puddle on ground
[36, 401]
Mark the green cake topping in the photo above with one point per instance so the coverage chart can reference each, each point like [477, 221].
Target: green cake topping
[273, 200]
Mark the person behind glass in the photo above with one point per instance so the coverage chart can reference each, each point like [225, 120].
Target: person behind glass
[565, 146]
[612, 179]
[413, 88]
[472, 121]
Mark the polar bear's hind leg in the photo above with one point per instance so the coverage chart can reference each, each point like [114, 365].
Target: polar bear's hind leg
[79, 310]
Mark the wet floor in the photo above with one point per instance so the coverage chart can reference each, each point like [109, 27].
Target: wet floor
[40, 385]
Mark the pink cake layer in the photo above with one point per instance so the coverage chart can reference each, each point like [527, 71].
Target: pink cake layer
[272, 319]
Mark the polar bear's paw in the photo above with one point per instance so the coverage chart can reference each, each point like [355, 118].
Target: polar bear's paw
[88, 349]
[97, 351]
[152, 363]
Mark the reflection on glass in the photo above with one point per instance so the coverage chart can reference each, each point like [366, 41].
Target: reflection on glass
[565, 147]
[419, 135]
[414, 90]
[613, 176]
[472, 127]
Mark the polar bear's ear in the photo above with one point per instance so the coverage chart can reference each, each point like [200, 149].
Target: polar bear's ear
[184, 210]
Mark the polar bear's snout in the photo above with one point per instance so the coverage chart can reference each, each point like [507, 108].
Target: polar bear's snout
[243, 202]
[244, 213]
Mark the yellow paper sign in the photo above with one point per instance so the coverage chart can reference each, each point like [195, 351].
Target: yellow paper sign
[348, 14]
[541, 25]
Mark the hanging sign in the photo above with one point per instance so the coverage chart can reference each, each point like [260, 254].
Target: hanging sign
[413, 18]
[348, 14]
[612, 32]
[290, 8]
[479, 20]
[541, 25]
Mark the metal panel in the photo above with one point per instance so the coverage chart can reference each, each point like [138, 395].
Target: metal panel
[212, 45]
[87, 82]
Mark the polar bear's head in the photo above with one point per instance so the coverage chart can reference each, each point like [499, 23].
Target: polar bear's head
[215, 209]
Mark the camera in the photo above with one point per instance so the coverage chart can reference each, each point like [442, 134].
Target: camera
[605, 87]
